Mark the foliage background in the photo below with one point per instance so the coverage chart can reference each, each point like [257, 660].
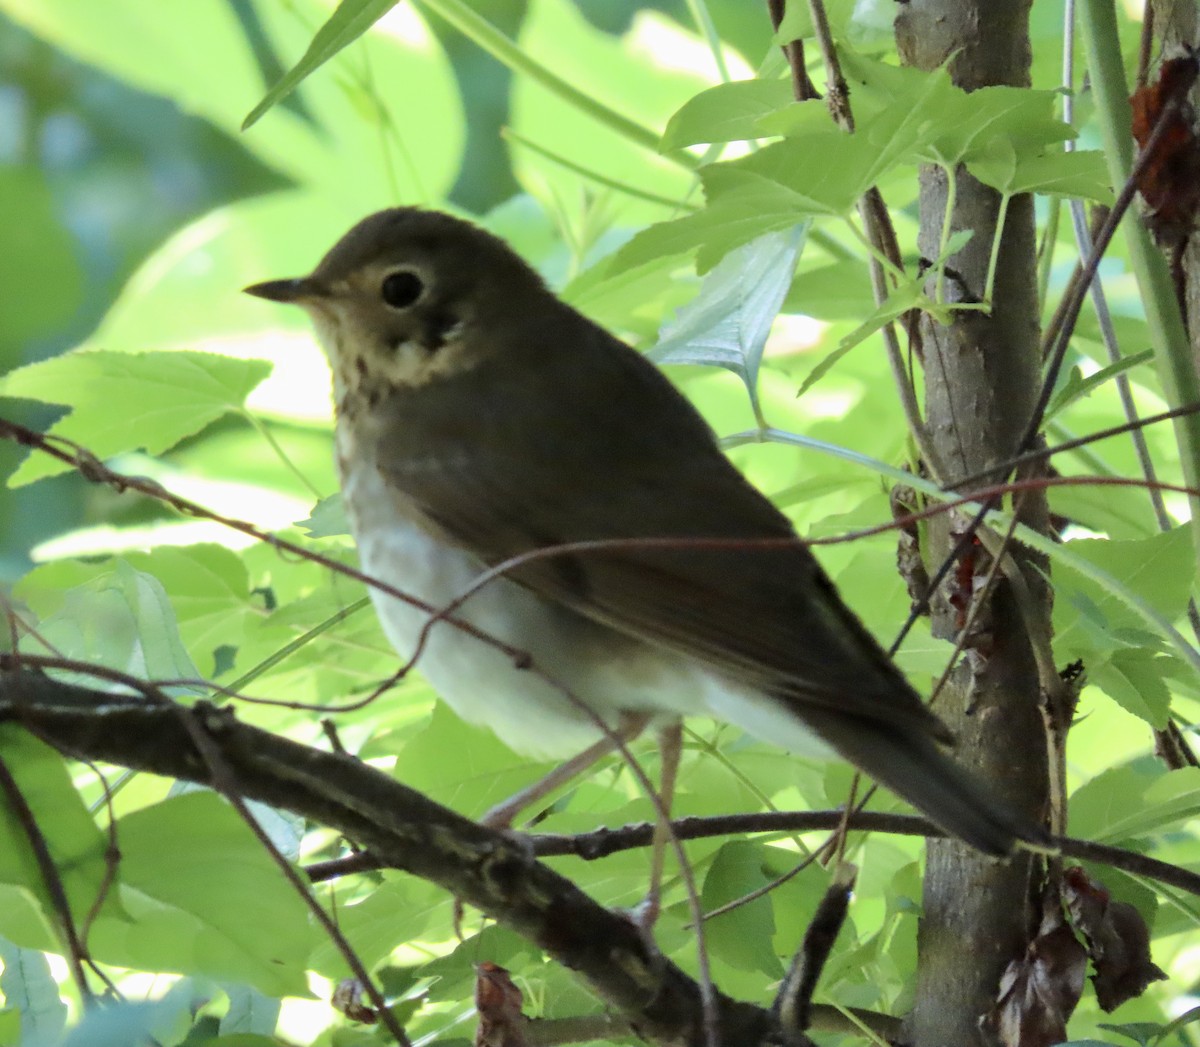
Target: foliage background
[136, 208]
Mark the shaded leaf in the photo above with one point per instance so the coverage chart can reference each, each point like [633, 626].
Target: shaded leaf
[741, 937]
[76, 844]
[1134, 678]
[120, 618]
[190, 914]
[1087, 619]
[727, 323]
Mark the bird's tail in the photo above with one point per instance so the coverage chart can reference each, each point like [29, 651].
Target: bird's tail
[915, 767]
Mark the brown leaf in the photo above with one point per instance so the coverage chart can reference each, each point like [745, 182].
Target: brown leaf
[498, 1001]
[348, 998]
[1117, 937]
[1170, 180]
[1039, 992]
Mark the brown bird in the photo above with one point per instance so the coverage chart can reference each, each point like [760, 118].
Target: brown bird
[479, 418]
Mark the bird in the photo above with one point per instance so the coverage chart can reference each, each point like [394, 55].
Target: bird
[483, 425]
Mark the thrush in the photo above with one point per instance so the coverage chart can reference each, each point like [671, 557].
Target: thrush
[479, 420]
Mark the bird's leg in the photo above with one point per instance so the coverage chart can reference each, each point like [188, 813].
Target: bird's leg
[670, 745]
[628, 727]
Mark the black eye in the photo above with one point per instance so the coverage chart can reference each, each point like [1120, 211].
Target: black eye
[401, 288]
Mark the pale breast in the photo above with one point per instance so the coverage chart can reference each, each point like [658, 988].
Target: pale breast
[590, 665]
[606, 671]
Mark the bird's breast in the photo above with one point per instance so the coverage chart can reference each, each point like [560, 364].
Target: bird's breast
[590, 665]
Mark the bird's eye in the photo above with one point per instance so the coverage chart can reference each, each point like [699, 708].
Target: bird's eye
[401, 288]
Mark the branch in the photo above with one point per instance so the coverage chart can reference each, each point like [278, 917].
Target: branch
[489, 870]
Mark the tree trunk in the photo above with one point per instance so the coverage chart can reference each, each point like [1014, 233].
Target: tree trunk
[981, 381]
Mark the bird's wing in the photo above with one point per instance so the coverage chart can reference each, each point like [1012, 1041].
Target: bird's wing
[536, 464]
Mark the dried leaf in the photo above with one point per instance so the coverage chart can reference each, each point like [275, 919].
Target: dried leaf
[1117, 937]
[498, 1001]
[348, 998]
[1170, 178]
[1039, 993]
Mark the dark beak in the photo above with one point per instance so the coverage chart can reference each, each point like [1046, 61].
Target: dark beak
[296, 291]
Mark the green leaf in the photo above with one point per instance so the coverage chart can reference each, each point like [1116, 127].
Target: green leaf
[900, 299]
[348, 22]
[10, 1022]
[848, 167]
[574, 83]
[1080, 173]
[1088, 620]
[201, 57]
[124, 1022]
[327, 519]
[1133, 677]
[1126, 802]
[750, 198]
[397, 910]
[207, 586]
[839, 291]
[764, 207]
[30, 988]
[1119, 512]
[251, 1015]
[741, 937]
[190, 914]
[75, 843]
[1076, 386]
[119, 617]
[725, 113]
[1020, 116]
[727, 324]
[130, 401]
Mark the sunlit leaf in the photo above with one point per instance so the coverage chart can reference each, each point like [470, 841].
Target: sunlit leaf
[126, 401]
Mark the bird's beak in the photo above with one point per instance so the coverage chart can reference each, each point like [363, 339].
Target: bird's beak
[299, 291]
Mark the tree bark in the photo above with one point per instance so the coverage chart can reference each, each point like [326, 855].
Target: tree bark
[1177, 27]
[981, 382]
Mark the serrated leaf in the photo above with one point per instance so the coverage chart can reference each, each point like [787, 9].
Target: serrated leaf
[725, 113]
[1076, 386]
[1127, 801]
[327, 519]
[1080, 173]
[348, 22]
[1133, 678]
[130, 401]
[727, 323]
[907, 295]
[1159, 569]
